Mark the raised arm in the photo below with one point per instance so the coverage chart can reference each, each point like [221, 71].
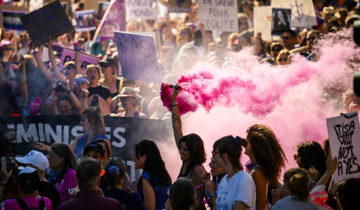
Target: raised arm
[59, 75]
[23, 80]
[176, 119]
[37, 55]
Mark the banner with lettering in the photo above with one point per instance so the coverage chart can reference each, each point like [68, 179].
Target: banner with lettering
[139, 9]
[344, 137]
[11, 20]
[219, 15]
[302, 12]
[113, 20]
[48, 21]
[123, 132]
[85, 59]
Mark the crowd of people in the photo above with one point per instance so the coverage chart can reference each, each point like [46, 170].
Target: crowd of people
[85, 175]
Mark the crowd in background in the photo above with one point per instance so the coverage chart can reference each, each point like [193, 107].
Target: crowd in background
[84, 175]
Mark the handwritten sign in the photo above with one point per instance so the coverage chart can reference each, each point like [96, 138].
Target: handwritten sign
[85, 20]
[344, 137]
[137, 55]
[219, 15]
[85, 59]
[139, 9]
[262, 21]
[280, 21]
[179, 6]
[302, 11]
[113, 20]
[48, 21]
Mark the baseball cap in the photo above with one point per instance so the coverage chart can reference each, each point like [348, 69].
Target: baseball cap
[36, 159]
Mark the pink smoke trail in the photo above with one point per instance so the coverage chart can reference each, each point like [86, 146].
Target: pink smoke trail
[293, 100]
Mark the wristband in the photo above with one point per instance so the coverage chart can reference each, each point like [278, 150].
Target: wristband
[76, 48]
[34, 52]
[174, 104]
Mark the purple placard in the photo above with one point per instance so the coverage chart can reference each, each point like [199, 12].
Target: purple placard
[85, 59]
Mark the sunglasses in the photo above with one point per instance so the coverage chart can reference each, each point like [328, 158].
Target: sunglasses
[283, 59]
[104, 65]
[285, 37]
[276, 49]
[242, 23]
[311, 38]
[184, 32]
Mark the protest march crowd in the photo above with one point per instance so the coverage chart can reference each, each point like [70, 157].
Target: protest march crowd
[36, 79]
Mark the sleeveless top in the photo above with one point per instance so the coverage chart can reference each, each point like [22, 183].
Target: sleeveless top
[267, 203]
[82, 140]
[161, 192]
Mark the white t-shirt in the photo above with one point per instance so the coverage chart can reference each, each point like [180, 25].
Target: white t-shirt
[239, 187]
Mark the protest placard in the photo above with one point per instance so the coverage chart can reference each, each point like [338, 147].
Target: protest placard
[11, 19]
[344, 137]
[124, 133]
[280, 21]
[139, 9]
[113, 20]
[85, 59]
[85, 20]
[102, 7]
[262, 21]
[47, 22]
[302, 11]
[179, 6]
[137, 55]
[219, 15]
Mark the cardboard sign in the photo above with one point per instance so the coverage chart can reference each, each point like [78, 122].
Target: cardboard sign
[113, 20]
[85, 59]
[219, 15]
[344, 137]
[137, 55]
[11, 20]
[179, 6]
[123, 132]
[262, 21]
[280, 21]
[302, 11]
[85, 20]
[48, 21]
[102, 9]
[136, 10]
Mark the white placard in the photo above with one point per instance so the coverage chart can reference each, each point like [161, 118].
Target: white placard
[219, 15]
[139, 9]
[302, 11]
[262, 21]
[344, 137]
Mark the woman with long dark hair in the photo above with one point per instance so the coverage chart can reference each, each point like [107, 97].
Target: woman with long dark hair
[192, 152]
[63, 163]
[236, 189]
[268, 158]
[155, 182]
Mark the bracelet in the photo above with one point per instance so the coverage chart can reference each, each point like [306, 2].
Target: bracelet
[76, 48]
[212, 195]
[174, 104]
